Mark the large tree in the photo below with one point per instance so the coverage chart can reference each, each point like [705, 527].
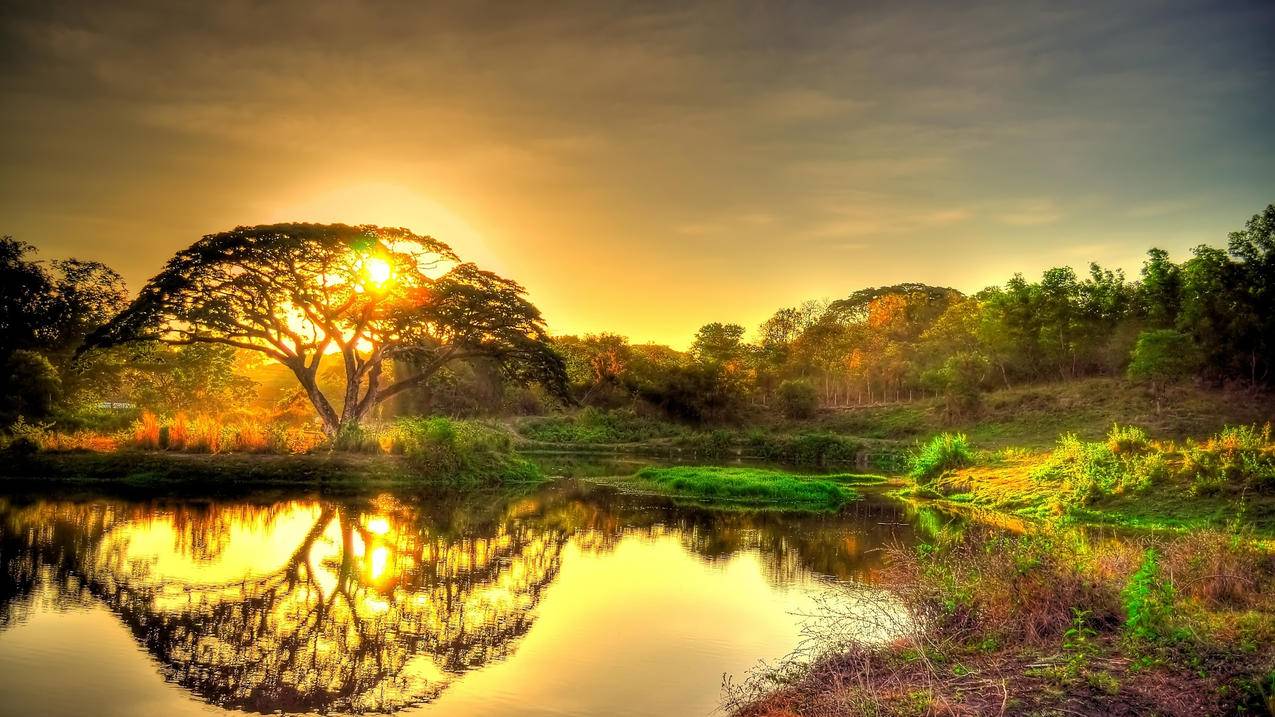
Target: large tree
[301, 293]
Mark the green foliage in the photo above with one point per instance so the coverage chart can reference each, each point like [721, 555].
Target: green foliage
[1239, 456]
[1160, 357]
[940, 454]
[797, 399]
[460, 451]
[1086, 471]
[960, 379]
[805, 449]
[752, 485]
[30, 384]
[594, 426]
[1127, 439]
[1148, 600]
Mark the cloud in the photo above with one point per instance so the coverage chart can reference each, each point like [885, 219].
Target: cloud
[1029, 213]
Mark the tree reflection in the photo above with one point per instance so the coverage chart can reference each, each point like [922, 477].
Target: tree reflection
[372, 606]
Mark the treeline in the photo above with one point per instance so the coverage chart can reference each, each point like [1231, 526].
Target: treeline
[1211, 317]
[48, 308]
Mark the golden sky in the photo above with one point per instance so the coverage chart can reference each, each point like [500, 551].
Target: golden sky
[646, 168]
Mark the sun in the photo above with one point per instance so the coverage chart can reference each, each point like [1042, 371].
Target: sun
[378, 271]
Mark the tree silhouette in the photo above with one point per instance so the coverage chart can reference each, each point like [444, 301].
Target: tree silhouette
[300, 292]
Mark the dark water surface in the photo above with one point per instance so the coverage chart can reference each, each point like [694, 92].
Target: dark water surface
[568, 600]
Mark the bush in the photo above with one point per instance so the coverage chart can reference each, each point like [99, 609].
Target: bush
[593, 426]
[941, 454]
[1238, 456]
[1127, 439]
[460, 451]
[806, 449]
[798, 399]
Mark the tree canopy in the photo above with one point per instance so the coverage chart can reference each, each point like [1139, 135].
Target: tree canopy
[300, 293]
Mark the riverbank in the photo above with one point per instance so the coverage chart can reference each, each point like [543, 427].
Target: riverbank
[1125, 479]
[162, 472]
[879, 437]
[1176, 617]
[1051, 622]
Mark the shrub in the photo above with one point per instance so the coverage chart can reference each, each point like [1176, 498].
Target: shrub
[1240, 456]
[798, 399]
[593, 426]
[460, 451]
[1008, 588]
[942, 453]
[806, 449]
[1127, 439]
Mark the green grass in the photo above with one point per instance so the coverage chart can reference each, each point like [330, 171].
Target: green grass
[941, 454]
[757, 486]
[1127, 480]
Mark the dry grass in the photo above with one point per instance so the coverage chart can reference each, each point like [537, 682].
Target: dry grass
[1035, 625]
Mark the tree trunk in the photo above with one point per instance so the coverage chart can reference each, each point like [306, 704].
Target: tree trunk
[331, 422]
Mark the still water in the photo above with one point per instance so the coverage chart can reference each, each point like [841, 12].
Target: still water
[569, 600]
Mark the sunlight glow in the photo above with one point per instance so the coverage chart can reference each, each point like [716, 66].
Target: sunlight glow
[378, 271]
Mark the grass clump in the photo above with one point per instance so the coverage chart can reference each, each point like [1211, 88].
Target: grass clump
[941, 454]
[752, 485]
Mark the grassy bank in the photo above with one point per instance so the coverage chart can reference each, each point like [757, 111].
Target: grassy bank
[1028, 418]
[748, 486]
[1046, 623]
[409, 451]
[1126, 479]
[232, 474]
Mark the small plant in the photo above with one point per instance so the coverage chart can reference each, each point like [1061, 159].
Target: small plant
[1148, 600]
[941, 454]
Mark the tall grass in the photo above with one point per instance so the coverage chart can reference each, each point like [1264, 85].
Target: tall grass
[941, 454]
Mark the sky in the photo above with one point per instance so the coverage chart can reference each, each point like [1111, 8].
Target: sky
[645, 168]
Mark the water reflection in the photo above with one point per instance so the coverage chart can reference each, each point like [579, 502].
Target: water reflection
[319, 606]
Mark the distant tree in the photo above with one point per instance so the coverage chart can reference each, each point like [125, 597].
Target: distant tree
[718, 343]
[29, 384]
[798, 399]
[1253, 247]
[25, 290]
[48, 308]
[1160, 357]
[299, 293]
[960, 379]
[597, 366]
[1160, 293]
[1210, 309]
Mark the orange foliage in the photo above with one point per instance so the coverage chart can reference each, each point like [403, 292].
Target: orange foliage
[146, 432]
